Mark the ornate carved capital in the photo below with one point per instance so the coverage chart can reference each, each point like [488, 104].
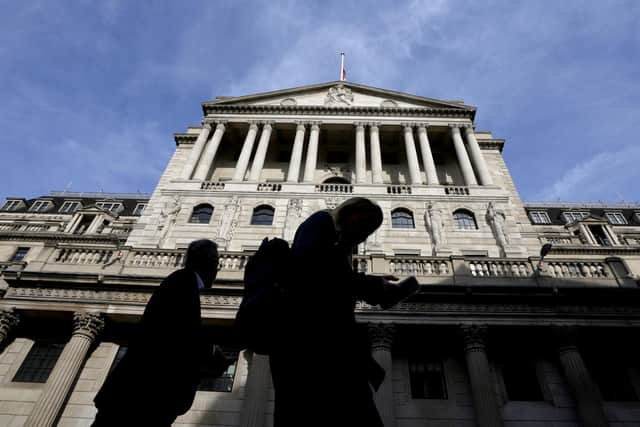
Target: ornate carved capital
[422, 127]
[381, 335]
[300, 125]
[8, 320]
[359, 125]
[373, 125]
[87, 324]
[315, 125]
[455, 126]
[566, 338]
[474, 336]
[408, 126]
[221, 124]
[207, 125]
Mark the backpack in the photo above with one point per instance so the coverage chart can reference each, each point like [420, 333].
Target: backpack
[258, 318]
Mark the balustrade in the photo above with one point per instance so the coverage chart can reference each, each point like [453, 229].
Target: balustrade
[398, 189]
[334, 188]
[417, 266]
[500, 268]
[83, 256]
[456, 191]
[577, 269]
[269, 187]
[212, 185]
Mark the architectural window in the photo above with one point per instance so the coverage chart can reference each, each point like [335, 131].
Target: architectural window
[599, 233]
[464, 220]
[19, 254]
[201, 214]
[114, 207]
[139, 209]
[40, 206]
[39, 362]
[402, 218]
[427, 380]
[122, 350]
[539, 217]
[616, 218]
[337, 157]
[262, 215]
[521, 379]
[224, 382]
[11, 205]
[69, 207]
[570, 217]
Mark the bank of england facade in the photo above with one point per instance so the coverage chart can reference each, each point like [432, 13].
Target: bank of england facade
[496, 335]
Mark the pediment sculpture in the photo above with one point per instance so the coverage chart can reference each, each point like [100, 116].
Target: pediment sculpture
[338, 96]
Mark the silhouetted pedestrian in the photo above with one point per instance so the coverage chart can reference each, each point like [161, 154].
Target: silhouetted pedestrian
[157, 378]
[322, 366]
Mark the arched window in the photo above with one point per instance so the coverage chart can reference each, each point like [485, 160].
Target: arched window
[262, 215]
[402, 218]
[201, 214]
[336, 180]
[464, 220]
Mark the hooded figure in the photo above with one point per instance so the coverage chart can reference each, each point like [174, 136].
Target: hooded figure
[322, 366]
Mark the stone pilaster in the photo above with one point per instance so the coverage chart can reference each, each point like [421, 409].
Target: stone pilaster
[256, 396]
[412, 155]
[589, 404]
[261, 153]
[381, 336]
[476, 156]
[312, 153]
[376, 155]
[8, 320]
[361, 156]
[196, 150]
[206, 162]
[485, 401]
[296, 154]
[245, 154]
[463, 157]
[427, 156]
[47, 409]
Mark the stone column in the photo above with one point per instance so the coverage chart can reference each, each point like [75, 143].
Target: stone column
[361, 156]
[47, 409]
[312, 153]
[261, 153]
[376, 156]
[256, 392]
[463, 158]
[586, 233]
[427, 156]
[209, 153]
[589, 404]
[477, 157]
[245, 154]
[381, 337]
[485, 401]
[412, 155]
[8, 320]
[194, 155]
[296, 154]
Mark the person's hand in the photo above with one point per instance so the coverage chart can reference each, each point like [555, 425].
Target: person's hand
[396, 292]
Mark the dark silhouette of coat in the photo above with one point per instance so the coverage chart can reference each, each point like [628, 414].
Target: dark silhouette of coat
[322, 367]
[157, 378]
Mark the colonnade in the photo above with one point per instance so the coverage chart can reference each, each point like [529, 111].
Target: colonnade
[469, 155]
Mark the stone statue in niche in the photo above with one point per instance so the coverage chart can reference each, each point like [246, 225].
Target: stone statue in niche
[496, 219]
[293, 220]
[228, 221]
[339, 95]
[168, 216]
[435, 223]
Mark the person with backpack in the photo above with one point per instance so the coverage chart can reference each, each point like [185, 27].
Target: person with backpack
[320, 359]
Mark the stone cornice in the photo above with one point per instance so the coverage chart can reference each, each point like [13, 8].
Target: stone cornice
[594, 250]
[337, 110]
[185, 138]
[61, 237]
[491, 144]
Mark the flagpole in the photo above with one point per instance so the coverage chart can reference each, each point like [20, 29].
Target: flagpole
[341, 66]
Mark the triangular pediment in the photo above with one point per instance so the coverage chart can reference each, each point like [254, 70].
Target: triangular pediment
[340, 94]
[93, 209]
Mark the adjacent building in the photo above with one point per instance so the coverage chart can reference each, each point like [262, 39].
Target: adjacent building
[496, 336]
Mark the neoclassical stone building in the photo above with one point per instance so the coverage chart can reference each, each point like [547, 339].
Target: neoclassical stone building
[496, 336]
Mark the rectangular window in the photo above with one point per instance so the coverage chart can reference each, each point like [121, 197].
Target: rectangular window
[616, 218]
[113, 207]
[19, 254]
[427, 380]
[521, 379]
[40, 206]
[139, 209]
[570, 217]
[337, 157]
[11, 205]
[598, 233]
[539, 217]
[224, 382]
[69, 207]
[39, 363]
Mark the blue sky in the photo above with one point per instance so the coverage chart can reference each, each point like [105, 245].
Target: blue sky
[92, 92]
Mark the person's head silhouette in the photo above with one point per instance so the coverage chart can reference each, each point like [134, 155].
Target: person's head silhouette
[202, 257]
[355, 219]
